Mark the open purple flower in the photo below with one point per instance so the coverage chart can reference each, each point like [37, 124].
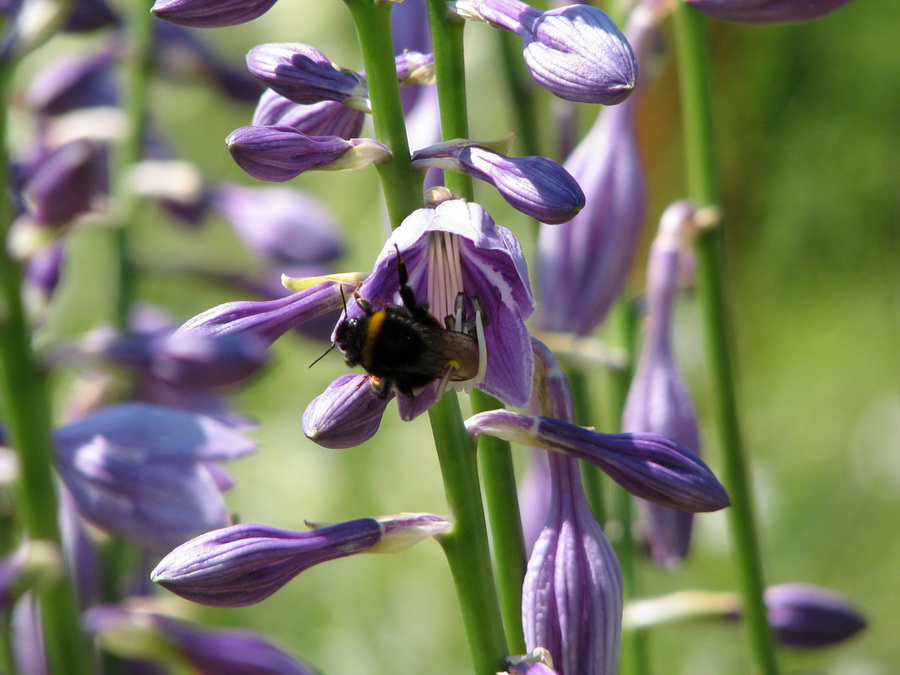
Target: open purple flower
[277, 154]
[766, 11]
[575, 51]
[536, 186]
[244, 564]
[148, 474]
[658, 399]
[210, 13]
[454, 251]
[132, 632]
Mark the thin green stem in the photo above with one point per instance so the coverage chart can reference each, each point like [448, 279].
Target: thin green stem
[521, 92]
[450, 71]
[466, 546]
[694, 69]
[495, 461]
[591, 476]
[26, 408]
[402, 184]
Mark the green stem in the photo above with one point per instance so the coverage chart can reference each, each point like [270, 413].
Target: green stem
[495, 461]
[26, 408]
[521, 92]
[591, 476]
[450, 71]
[694, 69]
[466, 546]
[402, 184]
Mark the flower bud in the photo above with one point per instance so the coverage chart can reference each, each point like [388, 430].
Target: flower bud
[803, 615]
[325, 118]
[766, 11]
[536, 186]
[346, 414]
[210, 13]
[303, 74]
[278, 154]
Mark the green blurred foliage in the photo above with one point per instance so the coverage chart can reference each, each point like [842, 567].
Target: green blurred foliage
[807, 125]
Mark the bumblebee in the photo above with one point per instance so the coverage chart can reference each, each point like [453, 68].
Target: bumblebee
[404, 347]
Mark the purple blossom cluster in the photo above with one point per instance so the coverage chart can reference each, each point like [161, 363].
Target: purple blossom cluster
[447, 306]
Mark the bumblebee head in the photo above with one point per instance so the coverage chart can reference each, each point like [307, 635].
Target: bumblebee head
[350, 338]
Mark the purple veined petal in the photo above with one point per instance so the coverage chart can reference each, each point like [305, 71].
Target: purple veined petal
[192, 361]
[303, 74]
[210, 13]
[280, 224]
[325, 118]
[511, 15]
[650, 466]
[766, 11]
[267, 319]
[346, 414]
[277, 154]
[132, 632]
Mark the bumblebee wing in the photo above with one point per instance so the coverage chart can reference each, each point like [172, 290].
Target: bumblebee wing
[460, 351]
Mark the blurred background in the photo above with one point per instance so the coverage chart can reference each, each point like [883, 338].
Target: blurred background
[808, 125]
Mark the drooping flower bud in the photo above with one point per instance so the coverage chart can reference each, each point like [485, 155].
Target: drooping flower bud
[303, 74]
[575, 51]
[536, 186]
[277, 154]
[766, 11]
[346, 414]
[803, 615]
[325, 118]
[210, 13]
[244, 564]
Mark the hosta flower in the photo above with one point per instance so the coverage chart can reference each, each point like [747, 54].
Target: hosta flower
[244, 564]
[148, 474]
[575, 51]
[766, 11]
[455, 252]
[538, 662]
[803, 615]
[303, 74]
[658, 399]
[325, 118]
[210, 13]
[536, 186]
[280, 153]
[346, 414]
[594, 251]
[74, 81]
[133, 632]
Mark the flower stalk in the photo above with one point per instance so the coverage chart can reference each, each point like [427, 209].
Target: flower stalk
[694, 68]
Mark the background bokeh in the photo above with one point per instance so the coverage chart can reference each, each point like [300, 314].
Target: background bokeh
[808, 125]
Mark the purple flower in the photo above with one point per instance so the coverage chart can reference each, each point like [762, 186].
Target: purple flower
[456, 248]
[42, 276]
[807, 616]
[658, 400]
[346, 414]
[576, 51]
[325, 118]
[71, 82]
[650, 466]
[244, 564]
[132, 632]
[280, 153]
[766, 11]
[593, 252]
[281, 225]
[538, 662]
[536, 186]
[146, 473]
[33, 564]
[210, 13]
[303, 74]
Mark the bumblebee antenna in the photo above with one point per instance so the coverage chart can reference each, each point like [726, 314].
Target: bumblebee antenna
[321, 356]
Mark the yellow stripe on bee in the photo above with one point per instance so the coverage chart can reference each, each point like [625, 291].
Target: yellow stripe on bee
[372, 329]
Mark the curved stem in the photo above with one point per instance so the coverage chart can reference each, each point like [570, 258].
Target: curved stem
[402, 184]
[694, 68]
[466, 546]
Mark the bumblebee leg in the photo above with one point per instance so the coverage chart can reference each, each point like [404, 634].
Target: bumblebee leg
[381, 386]
[363, 304]
[418, 310]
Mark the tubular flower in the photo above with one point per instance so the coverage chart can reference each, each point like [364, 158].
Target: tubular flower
[766, 11]
[280, 153]
[244, 564]
[650, 466]
[325, 118]
[658, 400]
[454, 252]
[594, 251]
[148, 474]
[346, 414]
[132, 632]
[536, 186]
[210, 13]
[572, 595]
[803, 615]
[575, 51]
